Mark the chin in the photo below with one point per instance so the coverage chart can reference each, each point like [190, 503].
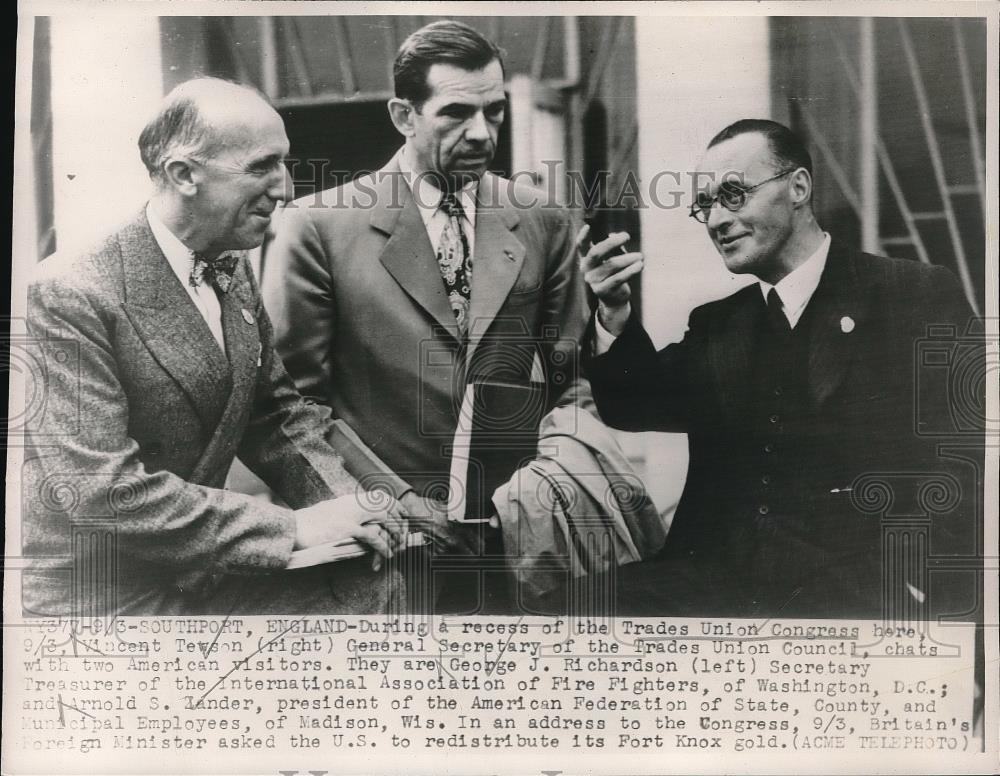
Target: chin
[740, 263]
[253, 238]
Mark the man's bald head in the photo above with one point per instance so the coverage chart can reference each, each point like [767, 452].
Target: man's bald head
[196, 119]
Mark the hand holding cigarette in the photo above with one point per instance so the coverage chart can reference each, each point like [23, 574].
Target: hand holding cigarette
[607, 268]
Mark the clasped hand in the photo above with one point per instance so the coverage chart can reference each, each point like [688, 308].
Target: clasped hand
[450, 536]
[373, 518]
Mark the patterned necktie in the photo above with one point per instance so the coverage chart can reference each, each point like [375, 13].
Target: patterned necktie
[217, 272]
[776, 313]
[455, 262]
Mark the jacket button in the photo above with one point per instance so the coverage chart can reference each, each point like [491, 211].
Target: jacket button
[769, 448]
[763, 509]
[778, 391]
[773, 418]
[766, 479]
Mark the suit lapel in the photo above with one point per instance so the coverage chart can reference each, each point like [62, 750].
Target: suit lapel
[240, 327]
[408, 255]
[731, 349]
[170, 325]
[837, 314]
[497, 258]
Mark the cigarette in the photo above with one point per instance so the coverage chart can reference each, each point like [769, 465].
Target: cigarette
[622, 250]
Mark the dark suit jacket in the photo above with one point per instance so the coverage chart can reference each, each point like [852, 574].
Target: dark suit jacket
[812, 526]
[364, 326]
[142, 415]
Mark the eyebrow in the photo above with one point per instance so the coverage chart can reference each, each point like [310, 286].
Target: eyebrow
[269, 159]
[471, 106]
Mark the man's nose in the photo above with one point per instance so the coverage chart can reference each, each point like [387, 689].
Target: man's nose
[281, 186]
[719, 217]
[477, 130]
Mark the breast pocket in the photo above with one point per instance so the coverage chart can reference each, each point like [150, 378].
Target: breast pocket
[527, 286]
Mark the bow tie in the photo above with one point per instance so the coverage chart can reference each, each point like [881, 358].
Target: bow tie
[217, 272]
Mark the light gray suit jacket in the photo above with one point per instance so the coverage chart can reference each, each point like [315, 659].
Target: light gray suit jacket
[142, 417]
[364, 325]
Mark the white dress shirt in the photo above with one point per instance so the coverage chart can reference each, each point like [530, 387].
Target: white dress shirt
[795, 289]
[427, 197]
[181, 260]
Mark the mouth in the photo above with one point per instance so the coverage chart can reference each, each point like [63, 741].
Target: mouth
[729, 240]
[473, 159]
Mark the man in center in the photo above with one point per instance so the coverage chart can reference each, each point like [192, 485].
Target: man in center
[398, 297]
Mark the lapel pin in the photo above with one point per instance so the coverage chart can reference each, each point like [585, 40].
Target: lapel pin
[847, 324]
[249, 318]
[508, 254]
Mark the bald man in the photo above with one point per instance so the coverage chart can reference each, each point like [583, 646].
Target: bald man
[159, 369]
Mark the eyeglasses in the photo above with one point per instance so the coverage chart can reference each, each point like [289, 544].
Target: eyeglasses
[731, 196]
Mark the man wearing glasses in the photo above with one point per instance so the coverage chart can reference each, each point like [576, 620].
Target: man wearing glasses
[797, 394]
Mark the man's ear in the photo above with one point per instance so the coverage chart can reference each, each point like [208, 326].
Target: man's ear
[801, 187]
[181, 176]
[401, 112]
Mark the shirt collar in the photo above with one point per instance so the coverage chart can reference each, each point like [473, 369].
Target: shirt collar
[428, 196]
[797, 287]
[178, 255]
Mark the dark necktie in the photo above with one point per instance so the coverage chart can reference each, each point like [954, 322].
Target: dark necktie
[217, 272]
[776, 315]
[455, 262]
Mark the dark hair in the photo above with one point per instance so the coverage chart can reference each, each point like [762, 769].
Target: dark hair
[178, 125]
[786, 147]
[447, 42]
